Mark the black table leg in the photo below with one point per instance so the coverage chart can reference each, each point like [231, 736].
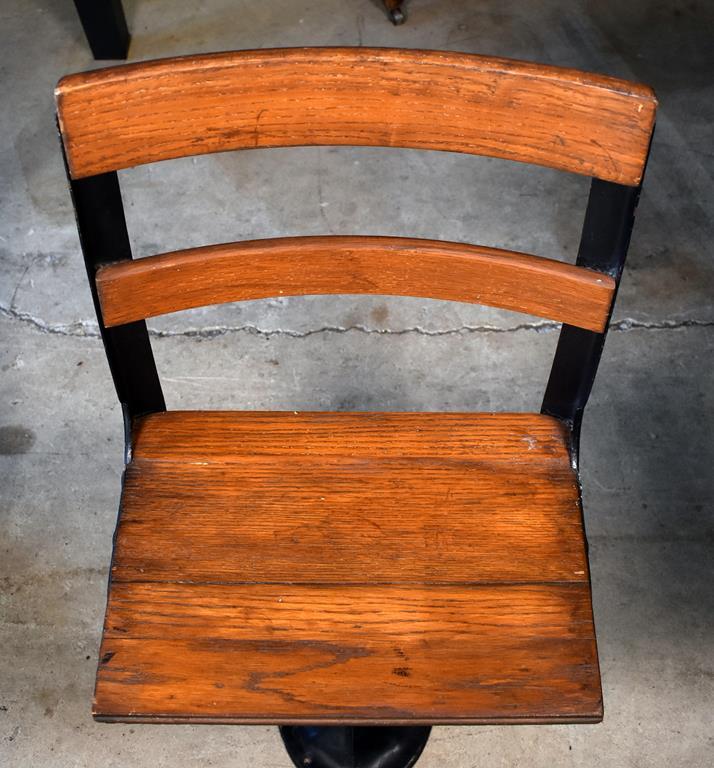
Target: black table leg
[105, 27]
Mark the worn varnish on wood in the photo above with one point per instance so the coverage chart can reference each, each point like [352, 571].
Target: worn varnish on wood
[349, 568]
[141, 113]
[135, 290]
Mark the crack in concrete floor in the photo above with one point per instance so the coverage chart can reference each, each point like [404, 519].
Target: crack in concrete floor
[82, 329]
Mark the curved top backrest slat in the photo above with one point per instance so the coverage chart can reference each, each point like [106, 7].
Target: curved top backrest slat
[124, 116]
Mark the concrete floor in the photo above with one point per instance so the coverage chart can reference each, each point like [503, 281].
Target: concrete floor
[648, 451]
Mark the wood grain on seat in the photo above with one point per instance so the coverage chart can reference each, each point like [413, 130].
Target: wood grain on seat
[258, 269]
[574, 121]
[349, 568]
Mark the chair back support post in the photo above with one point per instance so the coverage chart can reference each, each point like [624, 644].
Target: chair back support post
[609, 219]
[104, 238]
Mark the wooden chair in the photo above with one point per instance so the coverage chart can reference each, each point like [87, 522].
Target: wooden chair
[352, 577]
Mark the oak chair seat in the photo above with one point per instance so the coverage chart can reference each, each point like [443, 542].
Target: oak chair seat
[349, 568]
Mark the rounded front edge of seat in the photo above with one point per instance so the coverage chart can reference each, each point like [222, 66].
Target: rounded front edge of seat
[354, 747]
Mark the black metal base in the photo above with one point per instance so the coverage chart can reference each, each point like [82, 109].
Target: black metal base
[354, 747]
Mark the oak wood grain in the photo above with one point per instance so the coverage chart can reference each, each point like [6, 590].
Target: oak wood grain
[417, 520]
[314, 612]
[156, 285]
[225, 436]
[275, 489]
[124, 116]
[284, 653]
[349, 568]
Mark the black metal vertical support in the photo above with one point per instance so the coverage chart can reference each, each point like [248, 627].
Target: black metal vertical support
[105, 26]
[104, 239]
[605, 238]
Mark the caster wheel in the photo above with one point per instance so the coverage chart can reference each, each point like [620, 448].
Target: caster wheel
[354, 747]
[397, 17]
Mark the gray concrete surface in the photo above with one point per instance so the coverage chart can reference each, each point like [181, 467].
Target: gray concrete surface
[648, 452]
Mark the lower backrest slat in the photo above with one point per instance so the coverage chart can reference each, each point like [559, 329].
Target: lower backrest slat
[258, 269]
